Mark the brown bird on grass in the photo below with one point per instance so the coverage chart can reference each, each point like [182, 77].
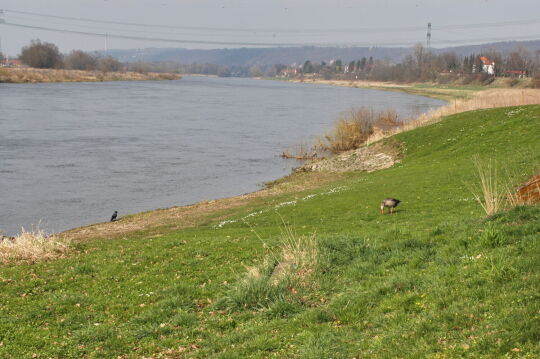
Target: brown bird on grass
[391, 203]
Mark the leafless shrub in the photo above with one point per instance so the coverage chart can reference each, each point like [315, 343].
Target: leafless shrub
[109, 64]
[352, 130]
[535, 81]
[511, 82]
[300, 152]
[80, 60]
[356, 126]
[42, 55]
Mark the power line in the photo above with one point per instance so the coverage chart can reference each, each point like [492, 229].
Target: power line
[489, 24]
[145, 31]
[154, 39]
[199, 42]
[107, 36]
[273, 30]
[400, 29]
[491, 39]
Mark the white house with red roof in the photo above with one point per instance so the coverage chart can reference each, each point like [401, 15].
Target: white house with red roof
[488, 66]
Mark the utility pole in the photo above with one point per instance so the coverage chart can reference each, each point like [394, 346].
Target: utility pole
[429, 36]
[2, 21]
[106, 44]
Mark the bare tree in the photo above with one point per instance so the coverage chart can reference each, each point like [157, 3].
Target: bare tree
[80, 60]
[41, 55]
[109, 64]
[520, 59]
[255, 71]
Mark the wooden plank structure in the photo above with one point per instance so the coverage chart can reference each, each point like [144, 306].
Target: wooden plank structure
[530, 191]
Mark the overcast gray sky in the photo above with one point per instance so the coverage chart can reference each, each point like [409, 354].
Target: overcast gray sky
[232, 23]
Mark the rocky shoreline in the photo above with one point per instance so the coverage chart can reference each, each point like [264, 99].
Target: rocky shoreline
[364, 159]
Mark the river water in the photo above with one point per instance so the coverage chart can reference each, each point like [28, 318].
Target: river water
[72, 153]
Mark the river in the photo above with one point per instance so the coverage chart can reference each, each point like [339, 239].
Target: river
[72, 153]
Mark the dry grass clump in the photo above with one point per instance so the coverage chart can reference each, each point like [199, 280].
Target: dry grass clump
[491, 194]
[287, 275]
[481, 100]
[298, 257]
[494, 195]
[32, 246]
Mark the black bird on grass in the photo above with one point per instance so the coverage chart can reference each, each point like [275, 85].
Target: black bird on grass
[113, 217]
[391, 203]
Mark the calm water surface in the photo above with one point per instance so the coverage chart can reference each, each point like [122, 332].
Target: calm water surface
[71, 154]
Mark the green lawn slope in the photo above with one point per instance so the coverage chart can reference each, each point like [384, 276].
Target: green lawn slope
[437, 279]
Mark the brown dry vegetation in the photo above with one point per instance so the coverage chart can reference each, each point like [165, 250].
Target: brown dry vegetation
[31, 75]
[355, 127]
[351, 131]
[32, 246]
[490, 196]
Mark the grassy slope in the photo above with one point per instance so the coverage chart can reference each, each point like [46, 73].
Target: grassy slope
[435, 280]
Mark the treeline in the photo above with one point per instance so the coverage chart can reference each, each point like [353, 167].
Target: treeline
[423, 65]
[45, 55]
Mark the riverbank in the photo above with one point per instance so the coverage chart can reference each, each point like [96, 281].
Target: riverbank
[442, 92]
[310, 176]
[309, 272]
[31, 75]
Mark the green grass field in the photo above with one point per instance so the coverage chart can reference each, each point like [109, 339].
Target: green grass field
[437, 279]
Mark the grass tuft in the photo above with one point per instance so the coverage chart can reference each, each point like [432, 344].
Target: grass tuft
[280, 279]
[490, 196]
[32, 246]
[492, 236]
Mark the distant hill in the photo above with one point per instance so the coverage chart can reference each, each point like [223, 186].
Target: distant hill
[280, 55]
[504, 47]
[257, 56]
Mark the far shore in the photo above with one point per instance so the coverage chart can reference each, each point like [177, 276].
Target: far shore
[32, 75]
[445, 92]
